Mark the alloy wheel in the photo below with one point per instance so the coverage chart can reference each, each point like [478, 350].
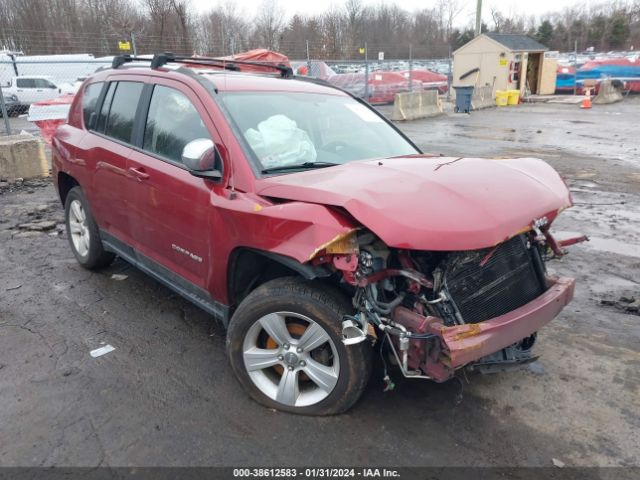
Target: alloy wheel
[78, 228]
[291, 359]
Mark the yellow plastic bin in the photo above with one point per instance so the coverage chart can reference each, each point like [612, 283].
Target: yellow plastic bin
[502, 98]
[513, 97]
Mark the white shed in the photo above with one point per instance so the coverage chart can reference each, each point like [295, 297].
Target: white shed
[505, 61]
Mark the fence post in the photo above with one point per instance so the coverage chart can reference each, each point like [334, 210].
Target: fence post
[366, 73]
[449, 77]
[575, 67]
[5, 115]
[308, 59]
[133, 44]
[410, 69]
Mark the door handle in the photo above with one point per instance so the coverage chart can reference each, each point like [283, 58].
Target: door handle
[139, 173]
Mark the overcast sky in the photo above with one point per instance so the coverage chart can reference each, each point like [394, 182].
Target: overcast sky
[291, 7]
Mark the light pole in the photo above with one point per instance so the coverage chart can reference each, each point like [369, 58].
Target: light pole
[478, 18]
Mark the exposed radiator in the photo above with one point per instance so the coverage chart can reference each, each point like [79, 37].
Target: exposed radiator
[507, 281]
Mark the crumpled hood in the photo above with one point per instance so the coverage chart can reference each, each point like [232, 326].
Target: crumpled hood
[432, 203]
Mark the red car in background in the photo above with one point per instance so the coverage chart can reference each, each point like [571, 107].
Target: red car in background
[430, 80]
[381, 86]
[309, 226]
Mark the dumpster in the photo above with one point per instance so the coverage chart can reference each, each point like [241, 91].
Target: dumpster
[463, 98]
[502, 98]
[513, 97]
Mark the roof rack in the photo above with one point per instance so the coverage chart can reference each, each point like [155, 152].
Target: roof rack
[160, 59]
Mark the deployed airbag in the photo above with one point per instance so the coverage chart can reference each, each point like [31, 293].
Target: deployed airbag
[278, 141]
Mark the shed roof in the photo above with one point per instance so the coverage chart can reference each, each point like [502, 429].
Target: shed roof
[517, 42]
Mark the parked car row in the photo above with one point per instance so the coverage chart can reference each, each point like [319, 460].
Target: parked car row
[379, 86]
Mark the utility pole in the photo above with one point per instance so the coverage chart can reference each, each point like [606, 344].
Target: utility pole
[133, 44]
[478, 18]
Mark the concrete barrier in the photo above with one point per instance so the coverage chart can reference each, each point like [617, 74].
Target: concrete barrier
[414, 105]
[607, 93]
[482, 98]
[22, 156]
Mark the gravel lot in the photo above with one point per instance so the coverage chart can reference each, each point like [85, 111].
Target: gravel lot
[166, 395]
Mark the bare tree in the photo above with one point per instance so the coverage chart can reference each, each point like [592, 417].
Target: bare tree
[507, 24]
[354, 21]
[269, 24]
[332, 24]
[221, 31]
[448, 11]
[97, 26]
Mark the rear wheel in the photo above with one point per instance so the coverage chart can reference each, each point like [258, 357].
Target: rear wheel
[285, 346]
[83, 233]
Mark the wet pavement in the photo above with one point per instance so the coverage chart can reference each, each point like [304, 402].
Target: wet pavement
[579, 143]
[166, 394]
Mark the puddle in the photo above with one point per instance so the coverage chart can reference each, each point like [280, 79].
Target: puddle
[614, 246]
[586, 184]
[585, 210]
[609, 283]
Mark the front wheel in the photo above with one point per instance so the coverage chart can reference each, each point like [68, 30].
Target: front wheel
[285, 347]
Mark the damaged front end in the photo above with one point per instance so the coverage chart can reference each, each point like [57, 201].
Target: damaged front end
[448, 265]
[443, 310]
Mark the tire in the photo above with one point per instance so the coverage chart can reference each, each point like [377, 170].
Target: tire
[82, 232]
[323, 378]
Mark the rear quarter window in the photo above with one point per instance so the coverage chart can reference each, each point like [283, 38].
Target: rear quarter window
[106, 105]
[90, 101]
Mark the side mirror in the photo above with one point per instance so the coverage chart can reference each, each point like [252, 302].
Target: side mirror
[201, 158]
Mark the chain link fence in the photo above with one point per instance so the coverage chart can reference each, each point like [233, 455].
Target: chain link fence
[365, 71]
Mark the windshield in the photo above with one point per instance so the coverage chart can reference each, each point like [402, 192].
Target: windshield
[284, 129]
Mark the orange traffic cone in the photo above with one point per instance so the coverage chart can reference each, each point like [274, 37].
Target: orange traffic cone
[586, 101]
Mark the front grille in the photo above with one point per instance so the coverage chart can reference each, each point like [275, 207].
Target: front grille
[507, 281]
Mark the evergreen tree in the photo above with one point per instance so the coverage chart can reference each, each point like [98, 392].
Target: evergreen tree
[545, 32]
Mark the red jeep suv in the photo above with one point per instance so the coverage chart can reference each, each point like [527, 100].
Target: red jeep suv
[309, 225]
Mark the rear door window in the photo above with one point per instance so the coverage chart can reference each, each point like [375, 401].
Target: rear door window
[90, 100]
[44, 83]
[122, 113]
[172, 122]
[26, 83]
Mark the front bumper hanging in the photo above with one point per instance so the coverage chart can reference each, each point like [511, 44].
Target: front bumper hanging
[463, 344]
